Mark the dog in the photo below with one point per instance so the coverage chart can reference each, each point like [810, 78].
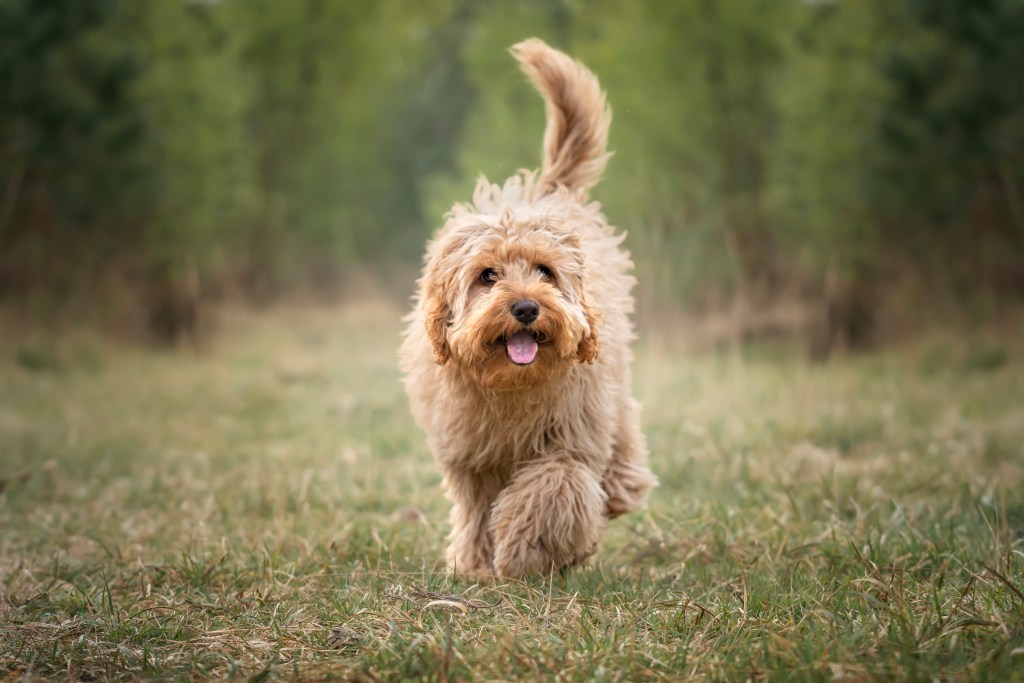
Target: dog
[516, 353]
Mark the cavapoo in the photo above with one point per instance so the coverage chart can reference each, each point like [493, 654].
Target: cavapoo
[517, 352]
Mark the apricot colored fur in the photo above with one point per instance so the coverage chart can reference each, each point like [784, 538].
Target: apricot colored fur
[535, 458]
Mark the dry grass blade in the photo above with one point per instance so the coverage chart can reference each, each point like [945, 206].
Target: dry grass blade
[450, 601]
[1006, 582]
[448, 605]
[342, 638]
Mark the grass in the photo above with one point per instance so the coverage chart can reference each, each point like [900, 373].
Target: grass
[267, 510]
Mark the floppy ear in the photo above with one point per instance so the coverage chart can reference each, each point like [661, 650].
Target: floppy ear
[437, 318]
[586, 352]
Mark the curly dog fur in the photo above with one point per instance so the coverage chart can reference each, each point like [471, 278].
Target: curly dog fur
[517, 355]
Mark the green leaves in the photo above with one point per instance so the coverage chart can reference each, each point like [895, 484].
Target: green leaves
[758, 144]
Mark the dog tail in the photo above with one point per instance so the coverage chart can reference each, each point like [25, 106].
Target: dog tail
[576, 138]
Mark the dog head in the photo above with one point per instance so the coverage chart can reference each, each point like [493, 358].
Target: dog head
[504, 298]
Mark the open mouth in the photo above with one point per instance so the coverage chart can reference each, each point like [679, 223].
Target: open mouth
[522, 346]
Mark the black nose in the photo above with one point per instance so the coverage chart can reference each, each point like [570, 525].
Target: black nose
[525, 311]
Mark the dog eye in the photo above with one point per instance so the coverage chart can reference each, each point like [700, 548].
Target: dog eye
[545, 271]
[489, 276]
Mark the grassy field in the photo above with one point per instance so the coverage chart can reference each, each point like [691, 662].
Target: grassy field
[267, 509]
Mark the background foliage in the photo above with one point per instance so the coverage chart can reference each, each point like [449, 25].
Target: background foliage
[267, 508]
[823, 151]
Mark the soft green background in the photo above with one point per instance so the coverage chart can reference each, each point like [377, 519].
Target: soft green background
[260, 505]
[761, 146]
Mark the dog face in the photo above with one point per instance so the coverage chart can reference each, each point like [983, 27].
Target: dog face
[504, 299]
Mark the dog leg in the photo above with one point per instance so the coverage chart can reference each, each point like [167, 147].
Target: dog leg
[627, 479]
[548, 517]
[470, 546]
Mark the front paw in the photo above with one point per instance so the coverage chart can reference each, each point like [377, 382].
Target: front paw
[626, 484]
[470, 558]
[520, 557]
[468, 569]
[549, 517]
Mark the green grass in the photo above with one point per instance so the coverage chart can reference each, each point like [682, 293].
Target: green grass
[267, 509]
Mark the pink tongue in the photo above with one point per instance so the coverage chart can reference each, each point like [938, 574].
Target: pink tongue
[522, 348]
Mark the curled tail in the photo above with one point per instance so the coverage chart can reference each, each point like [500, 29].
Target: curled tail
[576, 138]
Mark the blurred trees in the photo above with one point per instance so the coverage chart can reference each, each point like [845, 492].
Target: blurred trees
[825, 150]
[952, 175]
[69, 131]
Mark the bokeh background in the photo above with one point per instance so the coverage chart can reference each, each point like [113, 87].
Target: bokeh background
[212, 214]
[836, 172]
